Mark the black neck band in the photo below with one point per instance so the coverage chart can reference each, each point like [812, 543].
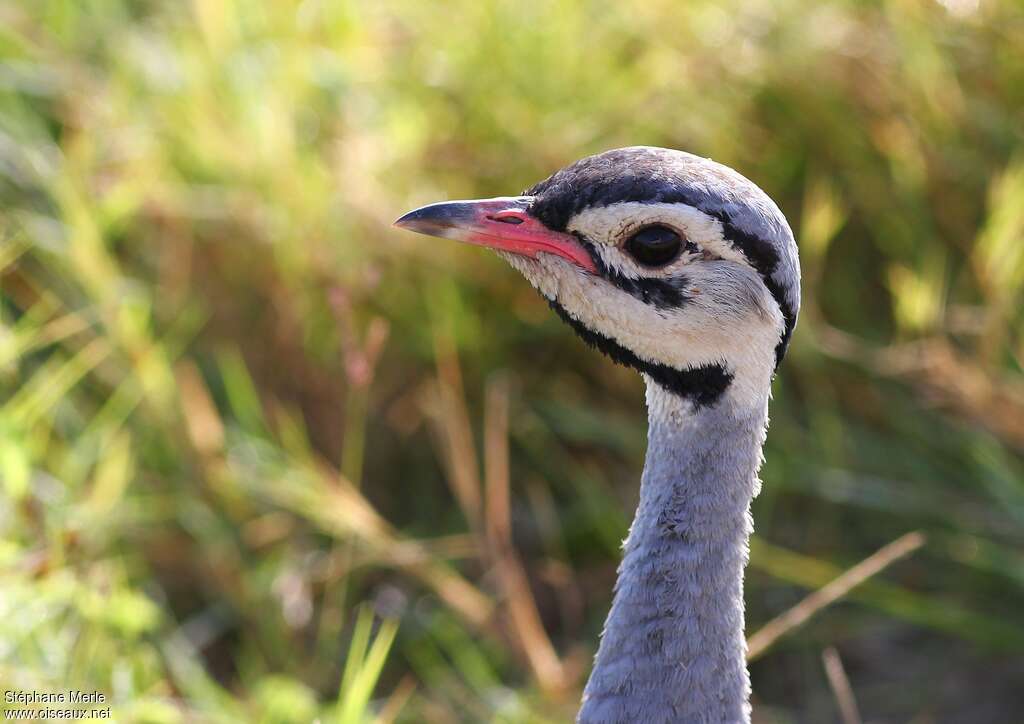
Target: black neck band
[703, 386]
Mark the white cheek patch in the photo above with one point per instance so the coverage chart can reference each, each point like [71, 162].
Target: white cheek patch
[729, 319]
[610, 226]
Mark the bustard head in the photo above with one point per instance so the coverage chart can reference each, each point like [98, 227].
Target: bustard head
[667, 262]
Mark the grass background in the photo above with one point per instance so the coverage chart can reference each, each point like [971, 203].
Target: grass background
[264, 458]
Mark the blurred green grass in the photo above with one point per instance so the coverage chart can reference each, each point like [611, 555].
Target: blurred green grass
[237, 410]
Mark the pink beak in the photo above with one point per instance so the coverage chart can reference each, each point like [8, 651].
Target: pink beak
[502, 223]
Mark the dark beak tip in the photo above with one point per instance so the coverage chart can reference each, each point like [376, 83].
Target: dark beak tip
[405, 220]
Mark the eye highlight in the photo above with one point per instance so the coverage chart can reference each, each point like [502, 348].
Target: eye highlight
[654, 245]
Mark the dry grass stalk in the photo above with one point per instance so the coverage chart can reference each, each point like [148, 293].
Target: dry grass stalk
[202, 422]
[396, 701]
[457, 433]
[537, 647]
[489, 512]
[497, 510]
[990, 398]
[328, 499]
[840, 685]
[354, 515]
[778, 627]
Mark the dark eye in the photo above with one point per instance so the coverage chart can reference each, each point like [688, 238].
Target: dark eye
[654, 245]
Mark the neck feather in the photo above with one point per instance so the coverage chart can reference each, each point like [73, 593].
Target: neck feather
[673, 648]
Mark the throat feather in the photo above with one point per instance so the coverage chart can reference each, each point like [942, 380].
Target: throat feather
[703, 386]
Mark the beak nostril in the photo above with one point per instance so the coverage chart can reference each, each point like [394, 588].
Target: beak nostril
[507, 217]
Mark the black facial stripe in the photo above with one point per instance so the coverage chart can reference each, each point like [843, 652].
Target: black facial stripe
[555, 211]
[764, 259]
[662, 293]
[703, 386]
[787, 315]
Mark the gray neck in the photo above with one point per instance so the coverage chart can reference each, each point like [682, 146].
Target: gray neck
[673, 648]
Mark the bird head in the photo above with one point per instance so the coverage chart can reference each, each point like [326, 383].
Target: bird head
[669, 263]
